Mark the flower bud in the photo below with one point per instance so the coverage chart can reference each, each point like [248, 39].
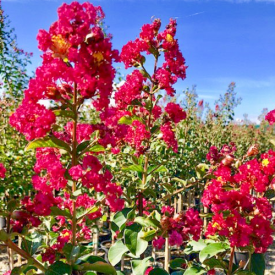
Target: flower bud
[227, 160]
[253, 150]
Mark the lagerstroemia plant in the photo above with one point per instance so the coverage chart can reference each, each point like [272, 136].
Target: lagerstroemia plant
[138, 114]
[71, 184]
[72, 180]
[241, 214]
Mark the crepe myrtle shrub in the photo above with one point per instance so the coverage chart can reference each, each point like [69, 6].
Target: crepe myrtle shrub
[140, 121]
[240, 219]
[71, 184]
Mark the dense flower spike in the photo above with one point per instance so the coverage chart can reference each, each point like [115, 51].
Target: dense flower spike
[75, 51]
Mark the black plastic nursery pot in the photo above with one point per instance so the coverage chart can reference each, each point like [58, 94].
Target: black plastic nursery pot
[105, 236]
[241, 256]
[191, 257]
[2, 222]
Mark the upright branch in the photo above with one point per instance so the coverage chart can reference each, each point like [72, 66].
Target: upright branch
[74, 159]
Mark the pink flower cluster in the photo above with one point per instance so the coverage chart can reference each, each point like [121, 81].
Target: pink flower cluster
[33, 120]
[22, 218]
[150, 41]
[139, 89]
[169, 136]
[77, 56]
[240, 215]
[270, 117]
[88, 174]
[2, 171]
[179, 228]
[175, 112]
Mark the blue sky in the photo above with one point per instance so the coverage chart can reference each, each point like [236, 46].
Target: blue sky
[222, 41]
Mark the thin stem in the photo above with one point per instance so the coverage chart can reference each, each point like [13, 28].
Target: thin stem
[24, 254]
[231, 261]
[74, 161]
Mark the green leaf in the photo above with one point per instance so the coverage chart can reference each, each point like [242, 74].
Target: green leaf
[12, 205]
[90, 273]
[212, 250]
[168, 187]
[158, 271]
[16, 271]
[116, 252]
[258, 263]
[48, 142]
[193, 246]
[91, 259]
[133, 167]
[177, 263]
[215, 263]
[55, 211]
[125, 120]
[147, 222]
[149, 235]
[194, 270]
[154, 129]
[133, 241]
[71, 252]
[96, 148]
[59, 268]
[120, 217]
[64, 113]
[82, 146]
[101, 267]
[128, 120]
[157, 169]
[270, 194]
[32, 243]
[139, 266]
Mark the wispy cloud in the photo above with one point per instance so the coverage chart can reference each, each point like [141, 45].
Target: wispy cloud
[194, 14]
